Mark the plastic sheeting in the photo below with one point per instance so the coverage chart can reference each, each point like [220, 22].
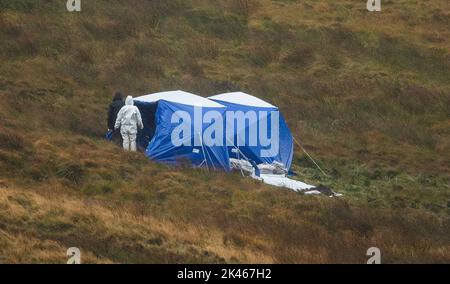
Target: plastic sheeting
[283, 181]
[270, 174]
[273, 174]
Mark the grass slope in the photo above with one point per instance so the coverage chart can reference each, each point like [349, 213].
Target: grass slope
[367, 93]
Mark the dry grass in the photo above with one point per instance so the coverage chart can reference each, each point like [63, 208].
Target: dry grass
[253, 226]
[367, 93]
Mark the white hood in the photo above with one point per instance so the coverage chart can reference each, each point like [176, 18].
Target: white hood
[129, 101]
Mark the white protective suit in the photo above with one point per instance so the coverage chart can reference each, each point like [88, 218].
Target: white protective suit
[129, 119]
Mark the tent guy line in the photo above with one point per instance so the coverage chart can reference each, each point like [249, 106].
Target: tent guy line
[309, 156]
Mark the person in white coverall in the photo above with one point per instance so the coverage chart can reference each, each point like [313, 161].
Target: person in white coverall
[129, 120]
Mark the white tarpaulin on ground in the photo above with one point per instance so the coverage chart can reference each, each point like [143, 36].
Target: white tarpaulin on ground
[283, 181]
[270, 174]
[273, 175]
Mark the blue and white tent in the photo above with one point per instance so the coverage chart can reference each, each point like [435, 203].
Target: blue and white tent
[263, 137]
[174, 129]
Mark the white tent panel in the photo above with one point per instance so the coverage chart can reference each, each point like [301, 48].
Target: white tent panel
[180, 97]
[241, 98]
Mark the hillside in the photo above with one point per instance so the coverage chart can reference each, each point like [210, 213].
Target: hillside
[368, 94]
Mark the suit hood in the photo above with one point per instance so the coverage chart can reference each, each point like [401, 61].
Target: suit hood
[129, 101]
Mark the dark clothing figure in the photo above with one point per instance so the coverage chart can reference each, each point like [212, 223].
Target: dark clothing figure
[114, 108]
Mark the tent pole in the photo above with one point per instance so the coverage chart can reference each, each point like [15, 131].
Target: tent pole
[238, 154]
[212, 164]
[203, 150]
[239, 150]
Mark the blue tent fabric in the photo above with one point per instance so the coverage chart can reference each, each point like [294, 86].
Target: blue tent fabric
[158, 110]
[253, 153]
[162, 149]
